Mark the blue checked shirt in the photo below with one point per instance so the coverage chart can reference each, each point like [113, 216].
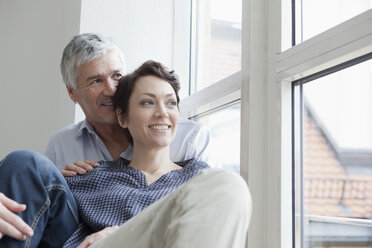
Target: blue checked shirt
[113, 193]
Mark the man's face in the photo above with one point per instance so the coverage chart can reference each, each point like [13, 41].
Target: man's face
[96, 84]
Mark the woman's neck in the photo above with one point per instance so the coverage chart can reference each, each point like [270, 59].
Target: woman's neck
[152, 162]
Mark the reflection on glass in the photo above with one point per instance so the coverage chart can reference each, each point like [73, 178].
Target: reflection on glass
[218, 41]
[224, 127]
[337, 159]
[319, 15]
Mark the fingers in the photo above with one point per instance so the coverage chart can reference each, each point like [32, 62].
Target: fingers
[92, 163]
[11, 205]
[10, 223]
[10, 230]
[91, 239]
[67, 173]
[79, 167]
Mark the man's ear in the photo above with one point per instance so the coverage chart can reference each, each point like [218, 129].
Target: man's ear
[121, 119]
[71, 93]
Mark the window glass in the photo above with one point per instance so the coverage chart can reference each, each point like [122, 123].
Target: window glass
[319, 15]
[224, 127]
[217, 44]
[337, 159]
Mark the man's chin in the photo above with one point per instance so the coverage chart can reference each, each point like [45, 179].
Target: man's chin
[113, 121]
[104, 121]
[109, 118]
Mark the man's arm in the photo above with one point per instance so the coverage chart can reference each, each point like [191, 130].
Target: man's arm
[202, 143]
[71, 169]
[64, 147]
[10, 223]
[191, 141]
[76, 143]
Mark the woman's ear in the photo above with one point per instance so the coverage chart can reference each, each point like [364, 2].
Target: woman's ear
[121, 119]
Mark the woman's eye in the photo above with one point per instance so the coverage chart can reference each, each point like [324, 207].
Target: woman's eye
[172, 103]
[147, 102]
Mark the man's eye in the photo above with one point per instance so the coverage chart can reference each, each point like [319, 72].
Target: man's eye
[96, 81]
[117, 75]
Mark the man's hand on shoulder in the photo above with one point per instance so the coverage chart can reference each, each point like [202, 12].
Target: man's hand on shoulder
[79, 167]
[11, 224]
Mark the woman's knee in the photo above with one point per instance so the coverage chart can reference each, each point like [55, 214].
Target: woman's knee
[24, 161]
[22, 155]
[229, 185]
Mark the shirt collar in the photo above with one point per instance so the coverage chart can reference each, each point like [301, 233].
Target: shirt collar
[127, 154]
[84, 125]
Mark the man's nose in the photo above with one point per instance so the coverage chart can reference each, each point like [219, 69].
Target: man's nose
[110, 86]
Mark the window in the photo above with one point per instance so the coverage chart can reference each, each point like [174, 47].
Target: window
[217, 41]
[331, 170]
[224, 127]
[215, 65]
[318, 16]
[312, 17]
[332, 90]
[335, 189]
[270, 61]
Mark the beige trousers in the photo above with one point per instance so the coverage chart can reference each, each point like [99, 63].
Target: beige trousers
[211, 210]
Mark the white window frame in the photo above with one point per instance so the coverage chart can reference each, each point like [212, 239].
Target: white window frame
[264, 88]
[182, 43]
[269, 171]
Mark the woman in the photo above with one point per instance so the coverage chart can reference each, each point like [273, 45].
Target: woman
[211, 210]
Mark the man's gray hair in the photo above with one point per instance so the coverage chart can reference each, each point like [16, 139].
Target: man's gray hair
[81, 49]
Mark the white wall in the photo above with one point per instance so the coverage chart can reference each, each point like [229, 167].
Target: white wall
[143, 29]
[33, 100]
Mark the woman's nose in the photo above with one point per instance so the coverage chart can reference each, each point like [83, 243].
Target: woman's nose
[161, 111]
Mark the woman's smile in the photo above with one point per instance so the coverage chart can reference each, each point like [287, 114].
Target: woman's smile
[160, 127]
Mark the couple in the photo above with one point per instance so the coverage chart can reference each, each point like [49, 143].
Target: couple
[200, 210]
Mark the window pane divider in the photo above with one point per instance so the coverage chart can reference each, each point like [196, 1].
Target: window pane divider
[219, 94]
[340, 220]
[341, 43]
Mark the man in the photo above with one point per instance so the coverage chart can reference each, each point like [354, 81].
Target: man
[91, 67]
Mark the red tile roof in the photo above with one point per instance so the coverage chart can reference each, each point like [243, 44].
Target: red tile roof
[328, 189]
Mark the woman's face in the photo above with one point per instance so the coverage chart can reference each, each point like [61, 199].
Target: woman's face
[153, 114]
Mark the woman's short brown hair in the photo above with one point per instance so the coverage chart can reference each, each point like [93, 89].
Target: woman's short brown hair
[126, 85]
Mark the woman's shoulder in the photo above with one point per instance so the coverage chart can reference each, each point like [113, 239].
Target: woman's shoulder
[101, 173]
[193, 163]
[118, 164]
